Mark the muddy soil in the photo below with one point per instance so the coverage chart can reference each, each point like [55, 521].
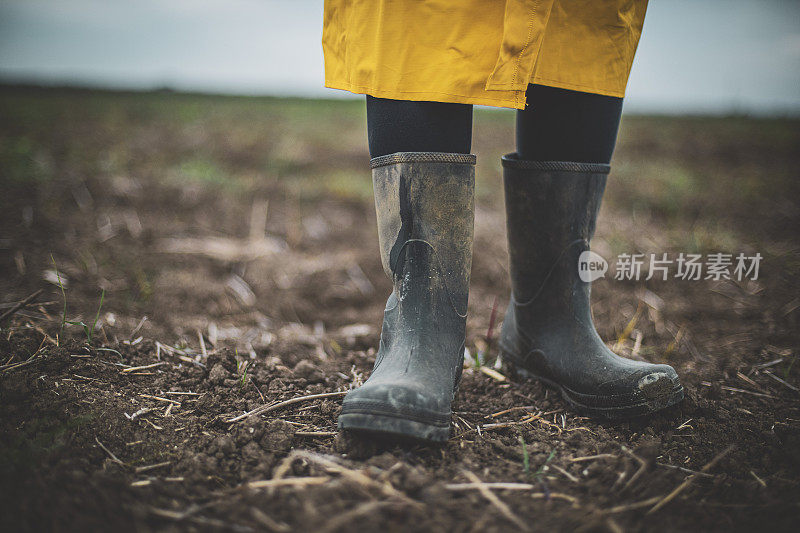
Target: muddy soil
[243, 230]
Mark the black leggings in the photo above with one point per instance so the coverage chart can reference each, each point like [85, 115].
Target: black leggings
[557, 125]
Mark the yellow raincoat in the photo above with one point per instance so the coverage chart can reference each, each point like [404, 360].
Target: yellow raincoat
[479, 51]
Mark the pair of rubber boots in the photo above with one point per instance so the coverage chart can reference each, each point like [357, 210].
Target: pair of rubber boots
[425, 207]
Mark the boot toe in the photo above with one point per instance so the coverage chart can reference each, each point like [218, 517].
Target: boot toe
[401, 400]
[658, 382]
[395, 409]
[643, 390]
[640, 380]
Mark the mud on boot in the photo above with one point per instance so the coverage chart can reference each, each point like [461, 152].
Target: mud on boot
[548, 332]
[425, 207]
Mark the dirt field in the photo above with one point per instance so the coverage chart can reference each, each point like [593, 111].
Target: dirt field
[243, 230]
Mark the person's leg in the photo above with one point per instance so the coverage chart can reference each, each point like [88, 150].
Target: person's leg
[562, 125]
[553, 189]
[404, 126]
[424, 182]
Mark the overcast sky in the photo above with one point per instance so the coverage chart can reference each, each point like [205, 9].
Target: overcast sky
[694, 56]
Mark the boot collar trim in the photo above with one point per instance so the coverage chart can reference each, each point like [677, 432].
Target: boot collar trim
[422, 157]
[513, 161]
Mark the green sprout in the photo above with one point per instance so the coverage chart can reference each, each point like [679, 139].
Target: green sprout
[540, 471]
[87, 330]
[241, 367]
[526, 461]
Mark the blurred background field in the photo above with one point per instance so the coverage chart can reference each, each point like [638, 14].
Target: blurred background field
[138, 167]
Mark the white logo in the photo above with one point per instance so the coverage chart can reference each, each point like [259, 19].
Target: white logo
[591, 266]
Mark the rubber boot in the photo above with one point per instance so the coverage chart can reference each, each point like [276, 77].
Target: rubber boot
[425, 206]
[548, 332]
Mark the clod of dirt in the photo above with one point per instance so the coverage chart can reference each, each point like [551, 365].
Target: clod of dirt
[278, 436]
[307, 370]
[253, 427]
[222, 446]
[251, 452]
[218, 374]
[196, 465]
[411, 479]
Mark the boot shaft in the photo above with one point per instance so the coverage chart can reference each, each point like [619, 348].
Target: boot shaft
[551, 211]
[425, 209]
[548, 331]
[425, 224]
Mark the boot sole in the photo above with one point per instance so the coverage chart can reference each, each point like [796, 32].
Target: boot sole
[392, 425]
[602, 406]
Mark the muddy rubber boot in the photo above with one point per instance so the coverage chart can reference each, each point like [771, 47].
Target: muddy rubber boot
[548, 332]
[425, 207]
